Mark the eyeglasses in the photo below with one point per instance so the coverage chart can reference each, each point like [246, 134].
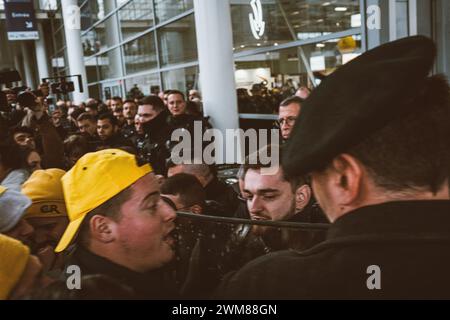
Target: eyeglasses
[290, 121]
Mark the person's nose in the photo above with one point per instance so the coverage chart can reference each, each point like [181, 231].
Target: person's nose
[169, 214]
[254, 205]
[285, 126]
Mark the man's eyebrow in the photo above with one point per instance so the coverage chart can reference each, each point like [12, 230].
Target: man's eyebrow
[267, 190]
[262, 191]
[156, 193]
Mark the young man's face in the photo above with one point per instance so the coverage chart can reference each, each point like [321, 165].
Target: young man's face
[47, 233]
[144, 229]
[146, 113]
[115, 104]
[129, 110]
[105, 129]
[25, 139]
[119, 116]
[269, 197]
[176, 104]
[287, 117]
[87, 127]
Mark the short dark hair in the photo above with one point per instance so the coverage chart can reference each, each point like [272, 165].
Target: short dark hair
[109, 116]
[76, 113]
[116, 98]
[154, 101]
[413, 151]
[22, 129]
[293, 99]
[187, 187]
[92, 105]
[130, 101]
[86, 116]
[110, 208]
[177, 92]
[295, 181]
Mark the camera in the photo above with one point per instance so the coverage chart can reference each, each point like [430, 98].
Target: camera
[62, 87]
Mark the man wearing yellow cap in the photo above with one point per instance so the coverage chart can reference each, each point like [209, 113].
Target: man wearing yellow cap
[118, 222]
[47, 214]
[20, 272]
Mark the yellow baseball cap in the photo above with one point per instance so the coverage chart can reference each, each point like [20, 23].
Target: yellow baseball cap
[44, 188]
[13, 260]
[96, 178]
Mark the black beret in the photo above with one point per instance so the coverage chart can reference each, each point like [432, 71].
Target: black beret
[358, 99]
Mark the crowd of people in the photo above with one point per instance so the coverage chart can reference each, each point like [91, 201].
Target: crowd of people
[93, 207]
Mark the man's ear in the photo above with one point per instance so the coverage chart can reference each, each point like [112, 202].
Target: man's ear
[196, 209]
[102, 228]
[347, 173]
[302, 197]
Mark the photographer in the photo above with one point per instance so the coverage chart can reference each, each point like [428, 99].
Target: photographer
[46, 134]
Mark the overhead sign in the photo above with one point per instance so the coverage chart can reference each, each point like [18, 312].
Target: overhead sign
[21, 20]
[257, 23]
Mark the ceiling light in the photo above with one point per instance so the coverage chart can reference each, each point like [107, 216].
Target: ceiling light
[326, 4]
[320, 45]
[275, 44]
[341, 9]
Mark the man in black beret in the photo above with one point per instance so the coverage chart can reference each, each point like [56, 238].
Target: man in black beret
[375, 139]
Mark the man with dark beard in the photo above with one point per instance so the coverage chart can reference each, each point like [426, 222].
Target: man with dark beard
[47, 214]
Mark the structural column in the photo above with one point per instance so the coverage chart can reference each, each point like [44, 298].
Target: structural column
[18, 65]
[41, 54]
[112, 38]
[28, 65]
[75, 56]
[215, 53]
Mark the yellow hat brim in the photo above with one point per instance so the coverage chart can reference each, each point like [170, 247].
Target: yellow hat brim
[69, 234]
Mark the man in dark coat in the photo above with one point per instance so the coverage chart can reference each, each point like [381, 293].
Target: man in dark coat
[153, 115]
[374, 137]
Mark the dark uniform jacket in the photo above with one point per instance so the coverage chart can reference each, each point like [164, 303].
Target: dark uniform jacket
[153, 148]
[128, 131]
[401, 247]
[151, 285]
